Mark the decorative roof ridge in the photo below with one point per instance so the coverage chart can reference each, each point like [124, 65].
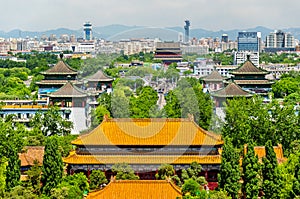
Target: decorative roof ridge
[57, 67]
[98, 73]
[215, 93]
[246, 64]
[214, 75]
[147, 119]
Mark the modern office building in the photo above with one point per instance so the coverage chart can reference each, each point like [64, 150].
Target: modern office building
[241, 57]
[249, 41]
[225, 38]
[280, 41]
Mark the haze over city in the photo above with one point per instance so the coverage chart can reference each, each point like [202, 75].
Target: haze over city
[212, 15]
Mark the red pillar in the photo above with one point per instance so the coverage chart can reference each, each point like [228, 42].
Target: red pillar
[88, 173]
[206, 175]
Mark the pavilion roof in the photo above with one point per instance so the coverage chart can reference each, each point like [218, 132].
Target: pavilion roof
[68, 90]
[30, 154]
[214, 76]
[149, 132]
[146, 189]
[75, 158]
[231, 90]
[99, 76]
[61, 68]
[249, 68]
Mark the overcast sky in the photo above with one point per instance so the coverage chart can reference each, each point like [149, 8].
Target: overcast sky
[208, 14]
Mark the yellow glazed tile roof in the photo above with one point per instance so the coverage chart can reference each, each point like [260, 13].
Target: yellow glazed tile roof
[74, 158]
[137, 189]
[149, 132]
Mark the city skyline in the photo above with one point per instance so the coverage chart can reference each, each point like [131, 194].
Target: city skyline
[44, 15]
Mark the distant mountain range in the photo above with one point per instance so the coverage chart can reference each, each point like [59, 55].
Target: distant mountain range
[117, 32]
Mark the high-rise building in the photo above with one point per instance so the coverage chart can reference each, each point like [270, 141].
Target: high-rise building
[249, 44]
[280, 41]
[87, 30]
[249, 41]
[187, 30]
[224, 38]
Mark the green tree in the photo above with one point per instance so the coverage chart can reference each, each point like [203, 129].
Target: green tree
[172, 107]
[20, 192]
[51, 122]
[71, 187]
[271, 178]
[165, 171]
[97, 178]
[98, 115]
[190, 187]
[296, 184]
[52, 166]
[13, 169]
[123, 171]
[193, 172]
[289, 178]
[119, 104]
[144, 104]
[230, 173]
[34, 177]
[188, 98]
[251, 170]
[2, 175]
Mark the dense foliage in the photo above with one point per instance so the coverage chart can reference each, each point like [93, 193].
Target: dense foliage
[270, 173]
[230, 173]
[122, 171]
[251, 120]
[97, 179]
[187, 98]
[52, 166]
[251, 170]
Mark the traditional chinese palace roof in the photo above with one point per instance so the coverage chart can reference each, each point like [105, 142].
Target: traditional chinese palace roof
[249, 68]
[261, 152]
[99, 77]
[149, 132]
[231, 90]
[30, 154]
[130, 189]
[61, 68]
[214, 76]
[68, 90]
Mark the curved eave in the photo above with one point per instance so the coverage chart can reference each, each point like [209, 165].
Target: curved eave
[249, 73]
[141, 159]
[59, 73]
[68, 96]
[100, 80]
[227, 96]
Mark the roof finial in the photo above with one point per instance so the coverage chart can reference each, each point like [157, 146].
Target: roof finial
[248, 57]
[61, 55]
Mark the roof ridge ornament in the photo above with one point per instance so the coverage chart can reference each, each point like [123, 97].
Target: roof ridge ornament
[61, 55]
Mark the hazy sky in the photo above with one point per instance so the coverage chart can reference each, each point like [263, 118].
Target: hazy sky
[207, 14]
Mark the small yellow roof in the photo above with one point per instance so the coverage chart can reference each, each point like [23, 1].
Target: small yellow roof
[74, 158]
[149, 132]
[135, 189]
